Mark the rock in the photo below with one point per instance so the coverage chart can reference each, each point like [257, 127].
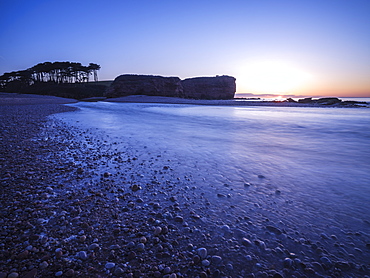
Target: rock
[179, 219]
[202, 252]
[157, 231]
[109, 265]
[82, 255]
[246, 242]
[44, 265]
[23, 255]
[13, 275]
[203, 274]
[135, 187]
[127, 84]
[206, 263]
[219, 87]
[118, 271]
[326, 262]
[343, 265]
[94, 246]
[216, 260]
[69, 273]
[288, 263]
[140, 247]
[59, 273]
[274, 230]
[229, 267]
[31, 274]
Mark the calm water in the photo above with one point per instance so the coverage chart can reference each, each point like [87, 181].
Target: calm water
[318, 158]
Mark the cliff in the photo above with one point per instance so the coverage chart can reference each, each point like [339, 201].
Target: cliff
[219, 87]
[125, 85]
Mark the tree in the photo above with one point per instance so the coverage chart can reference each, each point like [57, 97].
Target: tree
[94, 68]
[55, 72]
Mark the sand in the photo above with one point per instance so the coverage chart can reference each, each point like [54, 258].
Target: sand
[24, 99]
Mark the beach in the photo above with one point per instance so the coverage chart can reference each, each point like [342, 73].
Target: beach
[75, 204]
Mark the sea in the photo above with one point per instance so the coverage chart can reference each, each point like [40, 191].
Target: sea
[308, 167]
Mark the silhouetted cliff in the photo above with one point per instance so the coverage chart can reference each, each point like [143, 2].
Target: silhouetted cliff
[125, 85]
[219, 87]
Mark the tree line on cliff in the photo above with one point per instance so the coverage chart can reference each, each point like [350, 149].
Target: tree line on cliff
[53, 72]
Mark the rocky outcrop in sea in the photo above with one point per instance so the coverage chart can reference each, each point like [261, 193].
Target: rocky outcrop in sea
[218, 87]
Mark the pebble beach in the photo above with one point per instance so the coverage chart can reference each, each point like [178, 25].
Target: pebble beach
[74, 206]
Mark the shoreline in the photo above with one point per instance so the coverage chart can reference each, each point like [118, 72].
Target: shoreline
[232, 102]
[22, 99]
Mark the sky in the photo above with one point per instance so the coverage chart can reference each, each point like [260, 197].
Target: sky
[291, 48]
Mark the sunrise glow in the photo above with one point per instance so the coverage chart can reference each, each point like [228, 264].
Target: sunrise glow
[272, 77]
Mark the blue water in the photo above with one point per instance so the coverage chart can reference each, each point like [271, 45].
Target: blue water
[304, 165]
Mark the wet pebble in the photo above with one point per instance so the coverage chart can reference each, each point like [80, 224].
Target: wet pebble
[229, 267]
[13, 275]
[82, 255]
[59, 273]
[94, 246]
[202, 252]
[179, 219]
[109, 265]
[70, 273]
[274, 230]
[216, 260]
[118, 271]
[288, 263]
[206, 263]
[157, 231]
[140, 247]
[246, 242]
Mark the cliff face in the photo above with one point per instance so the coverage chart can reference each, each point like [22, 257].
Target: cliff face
[219, 87]
[125, 85]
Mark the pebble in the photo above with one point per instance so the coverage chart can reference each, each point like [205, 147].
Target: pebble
[179, 219]
[206, 263]
[59, 273]
[274, 230]
[225, 229]
[13, 275]
[109, 265]
[82, 255]
[44, 265]
[118, 271]
[70, 273]
[94, 246]
[140, 247]
[216, 260]
[157, 231]
[31, 274]
[202, 252]
[288, 263]
[326, 262]
[23, 255]
[130, 245]
[229, 267]
[246, 242]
